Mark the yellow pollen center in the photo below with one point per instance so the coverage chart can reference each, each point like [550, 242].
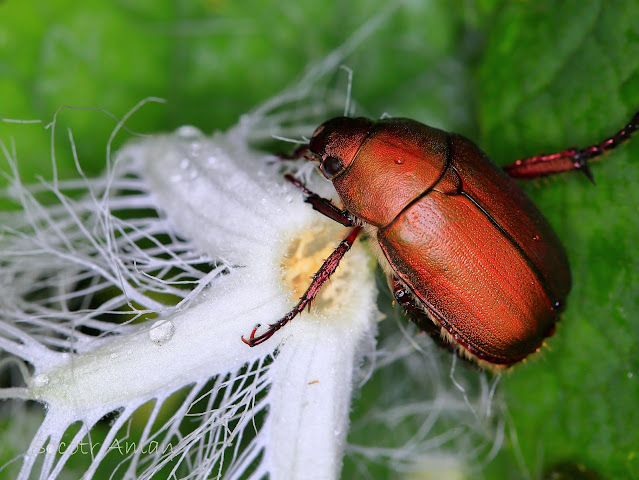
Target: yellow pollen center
[305, 255]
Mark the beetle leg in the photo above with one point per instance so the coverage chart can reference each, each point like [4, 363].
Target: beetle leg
[570, 159]
[416, 314]
[322, 205]
[421, 319]
[298, 153]
[325, 271]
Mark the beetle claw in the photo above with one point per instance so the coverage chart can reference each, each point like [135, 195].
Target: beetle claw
[581, 163]
[251, 340]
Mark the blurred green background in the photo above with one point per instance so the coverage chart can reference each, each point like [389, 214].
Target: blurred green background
[518, 77]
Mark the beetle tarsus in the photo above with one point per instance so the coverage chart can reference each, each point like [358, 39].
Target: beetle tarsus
[272, 328]
[570, 159]
[325, 271]
[250, 342]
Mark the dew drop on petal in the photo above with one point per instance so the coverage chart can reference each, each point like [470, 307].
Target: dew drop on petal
[189, 132]
[161, 332]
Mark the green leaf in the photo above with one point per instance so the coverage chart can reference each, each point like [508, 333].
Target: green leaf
[517, 77]
[211, 60]
[556, 75]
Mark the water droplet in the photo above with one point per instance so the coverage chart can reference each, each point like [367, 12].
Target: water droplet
[40, 381]
[161, 332]
[536, 238]
[188, 132]
[630, 374]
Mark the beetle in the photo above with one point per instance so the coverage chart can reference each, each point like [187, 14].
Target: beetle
[466, 252]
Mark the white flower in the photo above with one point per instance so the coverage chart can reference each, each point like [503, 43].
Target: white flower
[140, 288]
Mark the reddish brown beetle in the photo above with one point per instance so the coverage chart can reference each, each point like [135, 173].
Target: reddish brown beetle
[467, 253]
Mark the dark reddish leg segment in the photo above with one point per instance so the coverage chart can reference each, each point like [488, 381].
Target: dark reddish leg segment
[571, 159]
[298, 153]
[322, 205]
[419, 317]
[325, 271]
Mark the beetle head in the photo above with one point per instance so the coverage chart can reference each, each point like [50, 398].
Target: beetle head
[335, 143]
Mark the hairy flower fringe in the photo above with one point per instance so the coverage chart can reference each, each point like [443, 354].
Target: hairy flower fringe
[81, 275]
[125, 297]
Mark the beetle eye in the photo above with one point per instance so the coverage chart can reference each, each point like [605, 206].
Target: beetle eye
[332, 166]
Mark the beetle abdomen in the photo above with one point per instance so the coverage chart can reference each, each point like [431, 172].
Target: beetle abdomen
[481, 259]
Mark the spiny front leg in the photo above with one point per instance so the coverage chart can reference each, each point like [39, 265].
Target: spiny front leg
[324, 273]
[570, 159]
[322, 205]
